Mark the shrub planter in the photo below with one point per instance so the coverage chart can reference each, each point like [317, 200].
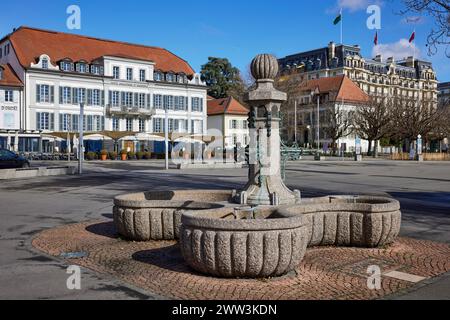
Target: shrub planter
[349, 221]
[214, 242]
[157, 215]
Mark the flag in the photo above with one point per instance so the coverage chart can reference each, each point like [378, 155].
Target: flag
[338, 19]
[413, 37]
[375, 41]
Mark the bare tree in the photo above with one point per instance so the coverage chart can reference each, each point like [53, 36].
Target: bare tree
[411, 118]
[439, 10]
[339, 123]
[372, 121]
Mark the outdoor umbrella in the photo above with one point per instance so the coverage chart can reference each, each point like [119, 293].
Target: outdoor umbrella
[68, 143]
[8, 141]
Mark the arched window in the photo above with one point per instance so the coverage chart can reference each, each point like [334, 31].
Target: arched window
[44, 63]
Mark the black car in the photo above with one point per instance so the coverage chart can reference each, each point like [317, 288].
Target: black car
[11, 160]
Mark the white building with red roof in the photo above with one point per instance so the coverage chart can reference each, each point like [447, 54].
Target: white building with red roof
[124, 87]
[228, 118]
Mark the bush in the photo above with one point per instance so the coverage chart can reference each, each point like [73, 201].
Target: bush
[131, 155]
[91, 156]
[113, 155]
[140, 155]
[123, 151]
[147, 155]
[104, 152]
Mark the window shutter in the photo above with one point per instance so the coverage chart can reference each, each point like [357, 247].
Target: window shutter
[122, 99]
[89, 97]
[154, 101]
[15, 96]
[75, 119]
[52, 94]
[149, 101]
[60, 122]
[110, 97]
[201, 104]
[2, 95]
[74, 96]
[102, 103]
[136, 100]
[38, 116]
[60, 95]
[38, 93]
[103, 123]
[52, 121]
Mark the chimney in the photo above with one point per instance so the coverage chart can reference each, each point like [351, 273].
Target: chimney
[332, 50]
[378, 58]
[390, 60]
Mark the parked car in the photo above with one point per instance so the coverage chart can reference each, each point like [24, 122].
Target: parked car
[11, 160]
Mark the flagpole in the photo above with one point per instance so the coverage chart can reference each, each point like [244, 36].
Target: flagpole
[414, 48]
[342, 26]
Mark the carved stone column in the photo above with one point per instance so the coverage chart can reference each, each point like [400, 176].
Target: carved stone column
[265, 185]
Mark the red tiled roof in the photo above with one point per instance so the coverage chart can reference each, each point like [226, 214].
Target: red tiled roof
[226, 106]
[9, 77]
[344, 88]
[30, 43]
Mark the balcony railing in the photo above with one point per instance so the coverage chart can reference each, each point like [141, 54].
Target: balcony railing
[126, 110]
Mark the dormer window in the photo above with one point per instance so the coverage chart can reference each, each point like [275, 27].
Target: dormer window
[66, 66]
[82, 67]
[170, 77]
[158, 76]
[181, 78]
[44, 63]
[96, 69]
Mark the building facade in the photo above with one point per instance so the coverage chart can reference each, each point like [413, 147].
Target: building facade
[229, 119]
[11, 97]
[338, 97]
[124, 87]
[444, 93]
[410, 78]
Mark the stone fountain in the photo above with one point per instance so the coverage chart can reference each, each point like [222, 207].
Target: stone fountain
[264, 229]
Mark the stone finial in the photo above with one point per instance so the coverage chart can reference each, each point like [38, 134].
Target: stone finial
[264, 66]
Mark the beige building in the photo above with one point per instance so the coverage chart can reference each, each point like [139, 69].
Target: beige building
[380, 76]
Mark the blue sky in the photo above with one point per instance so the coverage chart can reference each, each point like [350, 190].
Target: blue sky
[234, 29]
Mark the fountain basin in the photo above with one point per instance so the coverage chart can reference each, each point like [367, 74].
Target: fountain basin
[360, 221]
[157, 215]
[214, 242]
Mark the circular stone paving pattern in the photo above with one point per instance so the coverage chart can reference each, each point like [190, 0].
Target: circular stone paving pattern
[325, 273]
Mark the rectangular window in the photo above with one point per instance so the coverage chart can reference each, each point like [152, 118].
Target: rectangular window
[180, 103]
[115, 124]
[129, 74]
[82, 95]
[116, 73]
[82, 67]
[95, 97]
[90, 123]
[128, 99]
[67, 95]
[65, 122]
[96, 69]
[9, 96]
[142, 125]
[157, 125]
[171, 125]
[44, 121]
[66, 66]
[45, 93]
[142, 76]
[197, 104]
[234, 124]
[141, 102]
[157, 101]
[169, 102]
[245, 124]
[129, 123]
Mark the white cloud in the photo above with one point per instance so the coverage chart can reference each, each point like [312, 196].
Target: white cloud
[353, 5]
[399, 50]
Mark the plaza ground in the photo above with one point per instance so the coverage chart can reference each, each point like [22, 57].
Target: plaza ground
[30, 206]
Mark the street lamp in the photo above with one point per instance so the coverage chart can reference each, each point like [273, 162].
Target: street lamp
[316, 93]
[80, 142]
[166, 136]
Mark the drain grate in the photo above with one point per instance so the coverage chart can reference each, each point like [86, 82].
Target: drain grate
[73, 255]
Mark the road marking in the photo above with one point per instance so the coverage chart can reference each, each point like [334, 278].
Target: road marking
[404, 276]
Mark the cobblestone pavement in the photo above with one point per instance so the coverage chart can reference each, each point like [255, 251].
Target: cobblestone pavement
[325, 273]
